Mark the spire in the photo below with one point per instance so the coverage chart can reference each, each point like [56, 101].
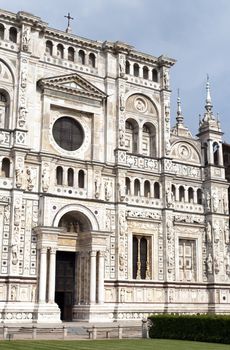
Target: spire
[208, 105]
[179, 118]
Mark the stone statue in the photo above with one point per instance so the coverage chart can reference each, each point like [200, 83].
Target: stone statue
[30, 184]
[23, 78]
[17, 213]
[226, 232]
[225, 204]
[14, 251]
[208, 200]
[22, 116]
[121, 137]
[216, 266]
[209, 232]
[25, 39]
[19, 177]
[122, 65]
[215, 201]
[122, 102]
[97, 187]
[168, 197]
[216, 232]
[166, 79]
[209, 264]
[45, 180]
[108, 191]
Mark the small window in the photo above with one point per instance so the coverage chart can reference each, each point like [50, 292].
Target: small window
[199, 196]
[2, 31]
[59, 175]
[205, 148]
[147, 188]
[136, 187]
[81, 179]
[154, 75]
[173, 189]
[13, 34]
[70, 177]
[81, 56]
[6, 167]
[136, 70]
[145, 72]
[60, 51]
[92, 60]
[127, 67]
[216, 153]
[49, 48]
[156, 190]
[181, 194]
[71, 54]
[190, 195]
[127, 185]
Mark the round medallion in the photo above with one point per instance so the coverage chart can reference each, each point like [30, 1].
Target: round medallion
[140, 105]
[184, 152]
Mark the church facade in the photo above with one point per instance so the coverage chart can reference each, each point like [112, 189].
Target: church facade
[106, 212]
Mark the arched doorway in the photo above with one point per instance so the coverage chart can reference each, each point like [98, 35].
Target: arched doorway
[74, 224]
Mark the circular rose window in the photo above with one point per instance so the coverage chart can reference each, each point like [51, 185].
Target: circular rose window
[68, 133]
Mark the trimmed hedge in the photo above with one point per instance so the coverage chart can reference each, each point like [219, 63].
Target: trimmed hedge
[205, 328]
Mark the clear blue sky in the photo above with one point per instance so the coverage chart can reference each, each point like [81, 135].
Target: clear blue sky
[194, 32]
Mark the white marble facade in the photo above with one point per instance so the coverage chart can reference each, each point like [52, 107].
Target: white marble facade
[106, 212]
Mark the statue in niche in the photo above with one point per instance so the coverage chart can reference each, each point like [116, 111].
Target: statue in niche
[122, 65]
[25, 39]
[108, 190]
[97, 184]
[208, 200]
[13, 293]
[30, 184]
[24, 78]
[122, 102]
[166, 79]
[22, 116]
[45, 180]
[19, 177]
[170, 229]
[209, 264]
[121, 262]
[17, 213]
[209, 232]
[215, 201]
[216, 232]
[226, 232]
[122, 295]
[121, 191]
[108, 221]
[14, 251]
[121, 137]
[225, 204]
[168, 197]
[216, 266]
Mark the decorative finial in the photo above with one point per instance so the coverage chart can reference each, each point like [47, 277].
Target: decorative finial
[208, 105]
[179, 118]
[68, 29]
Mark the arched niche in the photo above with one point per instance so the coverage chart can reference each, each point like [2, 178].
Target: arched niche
[84, 215]
[75, 222]
[141, 104]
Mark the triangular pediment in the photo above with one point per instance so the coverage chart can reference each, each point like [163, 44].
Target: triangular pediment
[73, 84]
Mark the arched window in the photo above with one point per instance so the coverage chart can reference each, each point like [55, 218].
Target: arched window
[59, 175]
[71, 54]
[60, 51]
[173, 189]
[216, 153]
[5, 167]
[156, 190]
[127, 67]
[70, 177]
[154, 75]
[205, 148]
[136, 187]
[135, 256]
[81, 179]
[13, 34]
[136, 70]
[2, 31]
[81, 57]
[190, 195]
[92, 60]
[145, 72]
[147, 188]
[4, 109]
[143, 257]
[49, 48]
[127, 185]
[181, 194]
[131, 135]
[199, 196]
[149, 140]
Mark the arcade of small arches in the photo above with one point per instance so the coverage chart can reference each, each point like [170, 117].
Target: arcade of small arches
[69, 177]
[144, 72]
[71, 54]
[8, 33]
[140, 140]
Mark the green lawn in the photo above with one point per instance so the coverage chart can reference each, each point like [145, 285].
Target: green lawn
[140, 344]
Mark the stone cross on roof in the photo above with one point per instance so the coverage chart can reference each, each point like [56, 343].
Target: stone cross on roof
[68, 29]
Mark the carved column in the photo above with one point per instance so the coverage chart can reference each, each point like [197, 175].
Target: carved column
[195, 196]
[101, 277]
[65, 177]
[186, 195]
[220, 155]
[131, 192]
[52, 274]
[210, 152]
[43, 275]
[92, 291]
